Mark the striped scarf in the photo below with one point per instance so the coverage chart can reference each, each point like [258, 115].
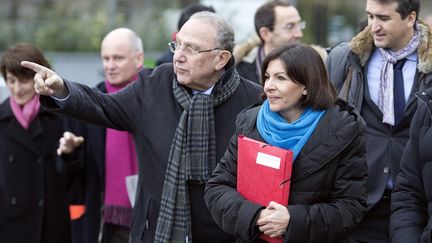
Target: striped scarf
[192, 157]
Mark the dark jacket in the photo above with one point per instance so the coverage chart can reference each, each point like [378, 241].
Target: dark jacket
[384, 143]
[246, 54]
[411, 219]
[33, 205]
[148, 110]
[328, 182]
[167, 57]
[85, 170]
[248, 70]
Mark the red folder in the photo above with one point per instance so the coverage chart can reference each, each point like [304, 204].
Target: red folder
[263, 174]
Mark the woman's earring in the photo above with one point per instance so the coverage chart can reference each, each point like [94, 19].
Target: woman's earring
[304, 92]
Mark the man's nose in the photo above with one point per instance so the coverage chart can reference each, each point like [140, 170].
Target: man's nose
[298, 33]
[179, 56]
[111, 63]
[16, 86]
[375, 25]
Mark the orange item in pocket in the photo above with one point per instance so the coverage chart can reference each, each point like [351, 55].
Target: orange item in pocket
[76, 211]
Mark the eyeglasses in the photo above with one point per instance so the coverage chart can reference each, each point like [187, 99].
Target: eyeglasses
[174, 46]
[292, 26]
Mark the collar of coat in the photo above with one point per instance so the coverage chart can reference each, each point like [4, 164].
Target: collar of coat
[362, 45]
[247, 50]
[6, 111]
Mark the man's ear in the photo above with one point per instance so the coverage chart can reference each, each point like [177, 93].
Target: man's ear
[223, 59]
[139, 60]
[265, 33]
[412, 18]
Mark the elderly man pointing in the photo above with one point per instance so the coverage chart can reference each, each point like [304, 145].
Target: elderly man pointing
[181, 117]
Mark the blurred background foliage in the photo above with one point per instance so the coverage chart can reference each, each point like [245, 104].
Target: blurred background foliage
[79, 25]
[70, 31]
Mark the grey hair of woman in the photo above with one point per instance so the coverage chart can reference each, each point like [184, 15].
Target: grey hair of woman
[224, 31]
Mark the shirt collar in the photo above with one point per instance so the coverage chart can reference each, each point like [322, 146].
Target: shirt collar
[207, 92]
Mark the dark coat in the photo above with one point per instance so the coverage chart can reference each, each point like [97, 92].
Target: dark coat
[86, 173]
[328, 182]
[148, 110]
[167, 57]
[411, 219]
[248, 70]
[33, 205]
[384, 143]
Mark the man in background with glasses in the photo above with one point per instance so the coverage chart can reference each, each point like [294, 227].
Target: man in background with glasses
[181, 116]
[277, 23]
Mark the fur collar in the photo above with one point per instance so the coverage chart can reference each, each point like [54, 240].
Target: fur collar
[362, 45]
[246, 51]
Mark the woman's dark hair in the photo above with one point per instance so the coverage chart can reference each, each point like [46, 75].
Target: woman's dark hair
[11, 60]
[305, 66]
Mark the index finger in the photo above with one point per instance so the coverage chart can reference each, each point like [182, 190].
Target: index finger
[34, 66]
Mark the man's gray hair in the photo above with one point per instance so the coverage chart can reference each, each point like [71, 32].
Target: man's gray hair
[224, 31]
[136, 42]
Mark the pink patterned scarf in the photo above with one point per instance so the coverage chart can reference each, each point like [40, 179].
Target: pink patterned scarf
[120, 161]
[25, 114]
[385, 93]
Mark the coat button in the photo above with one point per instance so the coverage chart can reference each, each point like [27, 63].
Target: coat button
[39, 160]
[13, 201]
[11, 158]
[40, 202]
[386, 170]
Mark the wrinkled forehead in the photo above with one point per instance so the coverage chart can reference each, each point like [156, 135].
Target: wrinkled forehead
[197, 32]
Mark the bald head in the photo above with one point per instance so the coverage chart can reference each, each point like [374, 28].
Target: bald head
[126, 36]
[122, 55]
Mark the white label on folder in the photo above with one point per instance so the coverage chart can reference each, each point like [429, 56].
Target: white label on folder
[268, 160]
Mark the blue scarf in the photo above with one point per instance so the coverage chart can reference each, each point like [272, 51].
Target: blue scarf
[276, 131]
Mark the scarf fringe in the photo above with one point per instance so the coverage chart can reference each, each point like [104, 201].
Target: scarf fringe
[118, 215]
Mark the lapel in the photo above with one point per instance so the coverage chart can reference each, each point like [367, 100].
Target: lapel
[367, 97]
[17, 133]
[24, 137]
[414, 89]
[411, 99]
[35, 128]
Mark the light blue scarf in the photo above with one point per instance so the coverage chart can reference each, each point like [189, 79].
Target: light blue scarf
[276, 131]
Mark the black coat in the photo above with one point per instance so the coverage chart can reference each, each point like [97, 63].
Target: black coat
[248, 71]
[33, 203]
[328, 183]
[148, 110]
[411, 218]
[85, 170]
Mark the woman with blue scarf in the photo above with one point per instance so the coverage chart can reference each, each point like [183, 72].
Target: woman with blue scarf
[328, 185]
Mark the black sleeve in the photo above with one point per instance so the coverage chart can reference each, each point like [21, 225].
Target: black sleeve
[408, 201]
